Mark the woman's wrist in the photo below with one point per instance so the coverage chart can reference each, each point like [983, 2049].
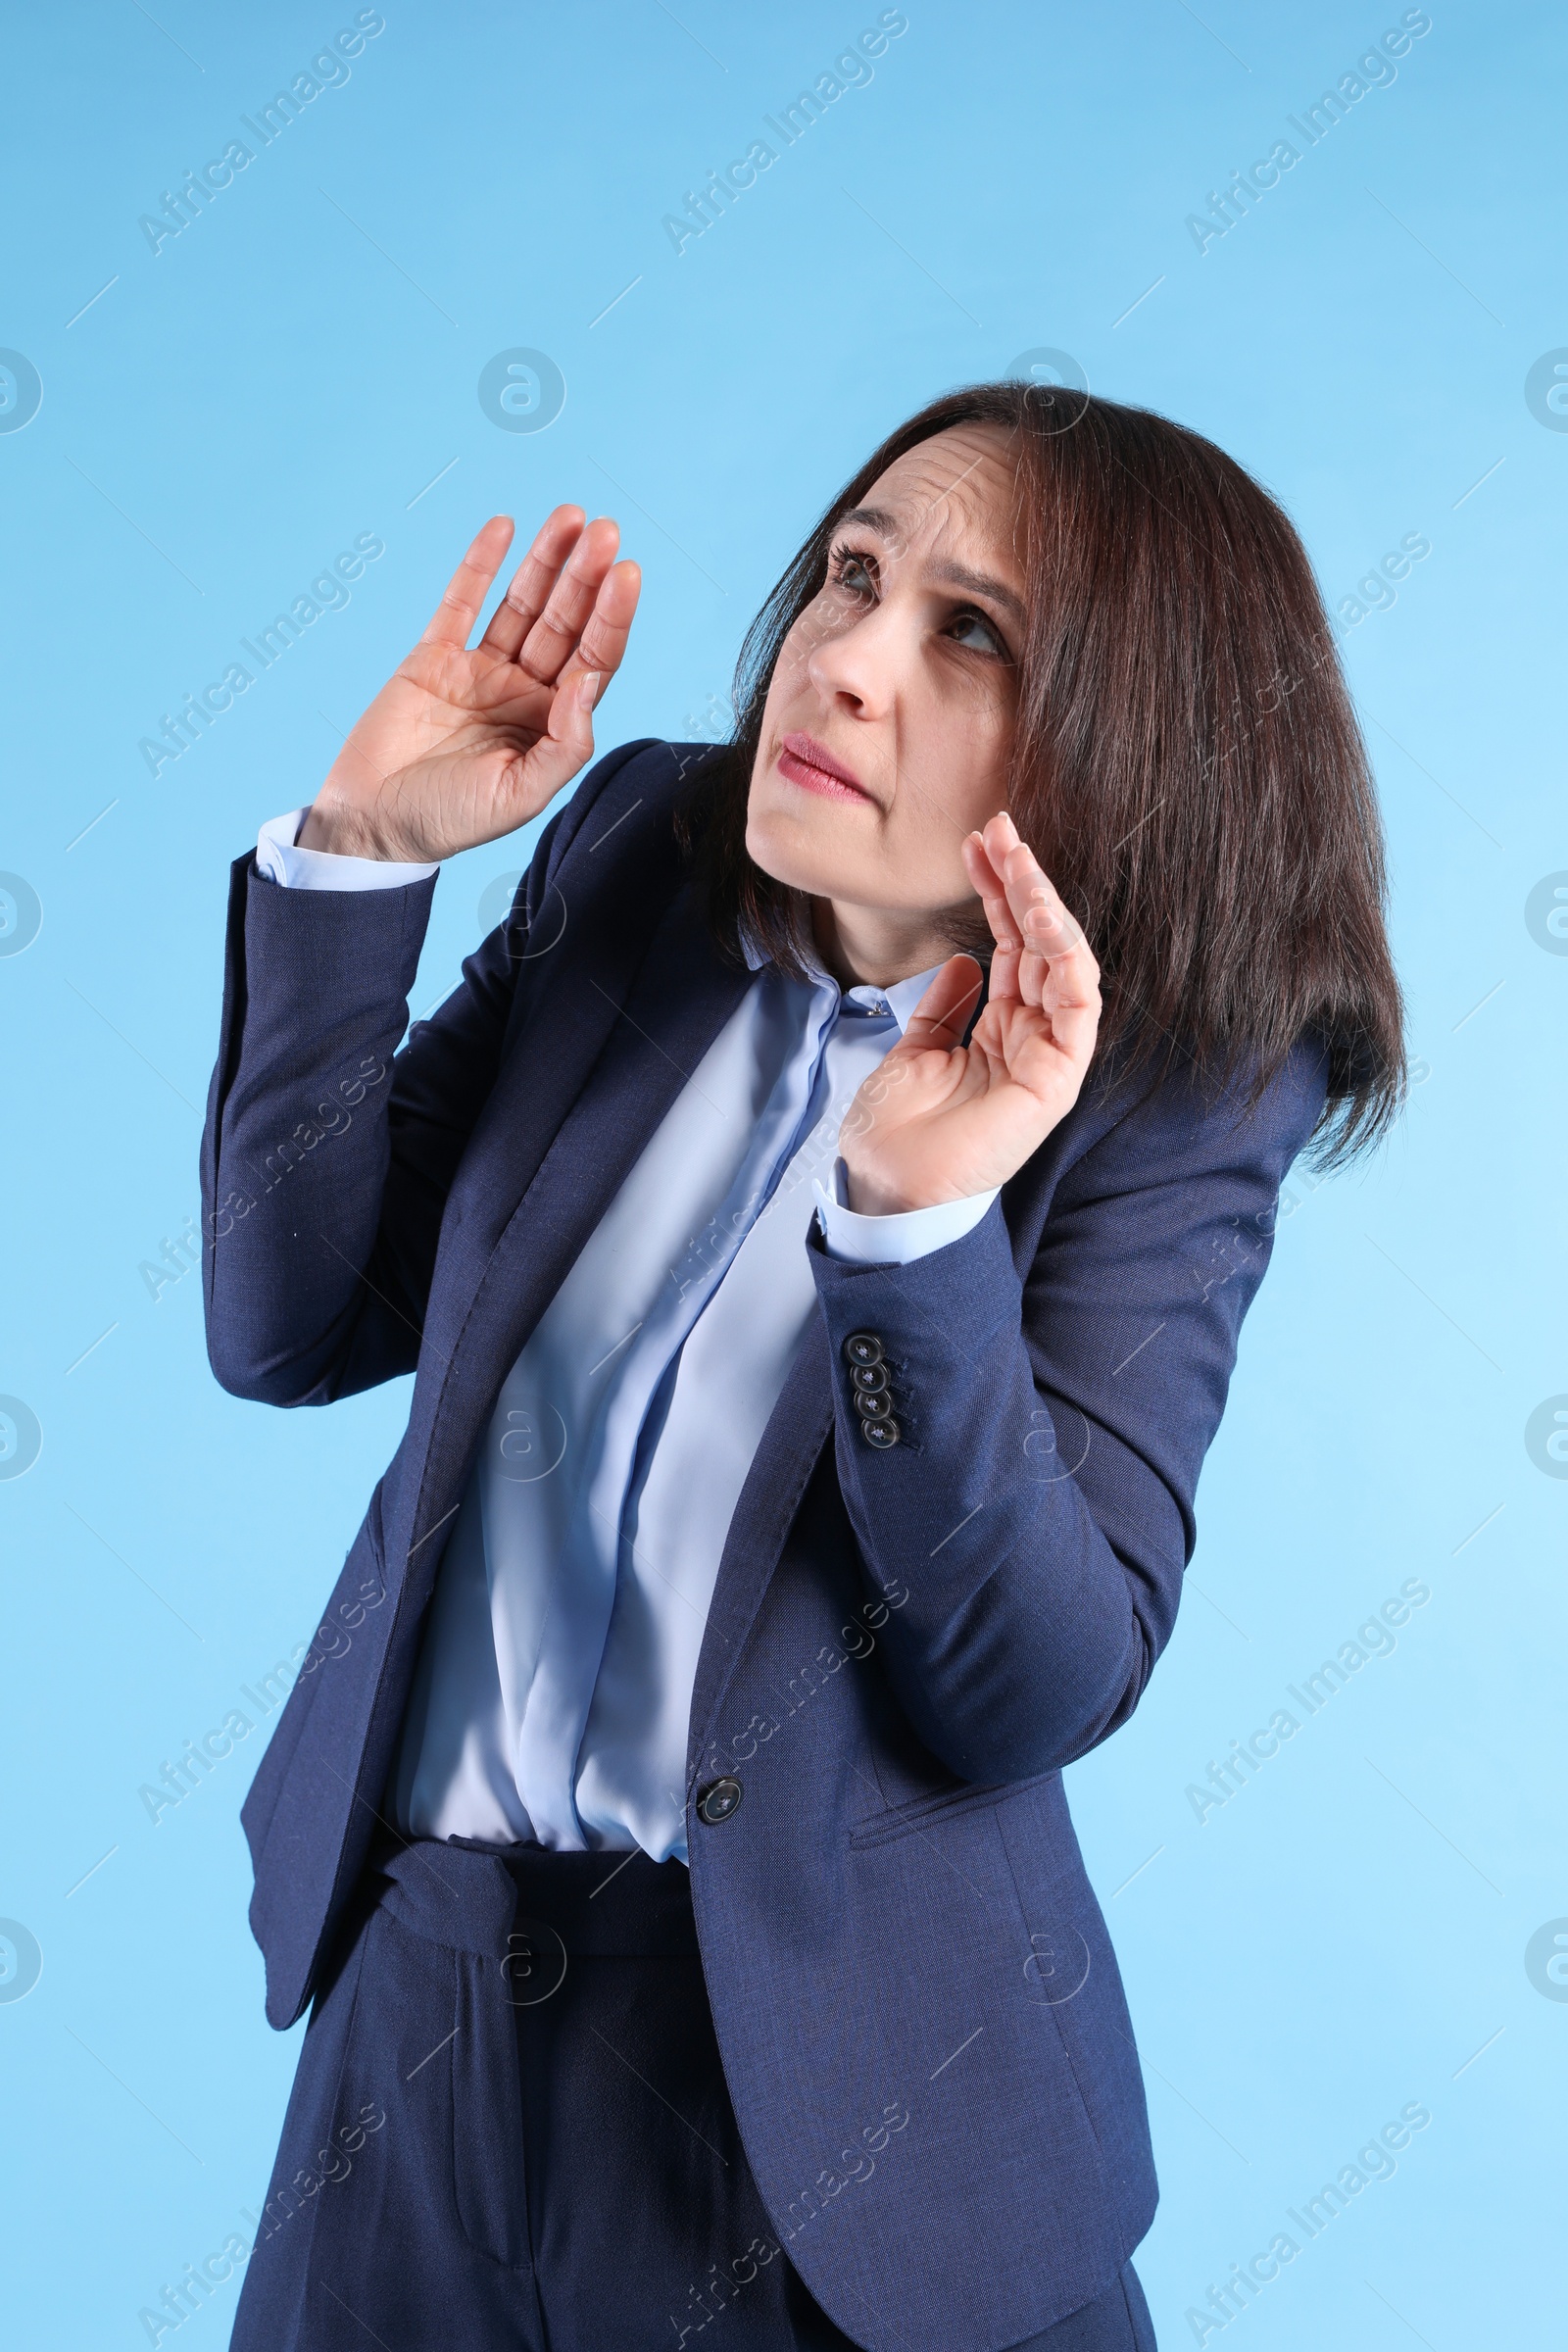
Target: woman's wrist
[345, 833]
[865, 1198]
[867, 1193]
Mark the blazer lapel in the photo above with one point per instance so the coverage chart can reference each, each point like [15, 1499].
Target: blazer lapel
[799, 1425]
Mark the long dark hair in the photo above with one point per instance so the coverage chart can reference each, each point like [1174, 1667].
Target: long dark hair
[1186, 763]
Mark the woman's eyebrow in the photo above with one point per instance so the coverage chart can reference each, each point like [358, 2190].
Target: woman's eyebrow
[957, 575]
[981, 583]
[871, 518]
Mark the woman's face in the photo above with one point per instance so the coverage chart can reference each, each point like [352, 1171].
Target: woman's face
[889, 719]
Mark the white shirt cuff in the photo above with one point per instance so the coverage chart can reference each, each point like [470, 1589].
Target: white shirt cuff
[280, 859]
[896, 1239]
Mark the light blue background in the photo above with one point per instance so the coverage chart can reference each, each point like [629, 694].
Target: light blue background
[1348, 1931]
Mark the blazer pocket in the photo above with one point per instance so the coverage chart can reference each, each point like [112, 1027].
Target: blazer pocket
[903, 1821]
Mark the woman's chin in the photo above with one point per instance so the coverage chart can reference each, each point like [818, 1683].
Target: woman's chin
[794, 853]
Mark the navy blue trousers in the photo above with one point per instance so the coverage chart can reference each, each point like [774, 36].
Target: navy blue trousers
[510, 2131]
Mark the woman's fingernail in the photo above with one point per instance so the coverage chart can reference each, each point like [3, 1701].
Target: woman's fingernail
[588, 691]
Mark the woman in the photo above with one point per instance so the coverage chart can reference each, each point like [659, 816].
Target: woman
[819, 1225]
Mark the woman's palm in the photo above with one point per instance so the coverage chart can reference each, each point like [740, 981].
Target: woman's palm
[939, 1119]
[463, 743]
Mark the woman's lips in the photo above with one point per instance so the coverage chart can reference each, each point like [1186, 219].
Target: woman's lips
[805, 763]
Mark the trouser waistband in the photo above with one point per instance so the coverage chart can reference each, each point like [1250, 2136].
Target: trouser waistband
[473, 1897]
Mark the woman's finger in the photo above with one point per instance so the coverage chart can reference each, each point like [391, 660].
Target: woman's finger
[981, 869]
[603, 643]
[454, 615]
[514, 697]
[1053, 940]
[947, 1008]
[529, 590]
[1036, 904]
[549, 642]
[1070, 1001]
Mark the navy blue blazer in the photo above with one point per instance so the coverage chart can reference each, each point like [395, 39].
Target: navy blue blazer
[904, 1647]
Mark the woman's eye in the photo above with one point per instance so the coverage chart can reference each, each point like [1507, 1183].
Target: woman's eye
[853, 575]
[986, 641]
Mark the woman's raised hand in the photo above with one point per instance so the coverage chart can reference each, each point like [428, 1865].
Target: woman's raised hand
[463, 745]
[938, 1120]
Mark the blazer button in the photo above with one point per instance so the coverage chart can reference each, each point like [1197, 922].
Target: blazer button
[717, 1802]
[875, 1407]
[863, 1348]
[868, 1380]
[880, 1434]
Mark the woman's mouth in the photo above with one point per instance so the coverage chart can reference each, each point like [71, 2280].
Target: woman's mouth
[808, 764]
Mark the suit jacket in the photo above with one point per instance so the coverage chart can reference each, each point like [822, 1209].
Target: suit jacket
[921, 2016]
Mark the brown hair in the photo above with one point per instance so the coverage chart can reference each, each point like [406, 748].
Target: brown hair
[1186, 763]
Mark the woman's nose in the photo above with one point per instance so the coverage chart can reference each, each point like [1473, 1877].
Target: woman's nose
[856, 664]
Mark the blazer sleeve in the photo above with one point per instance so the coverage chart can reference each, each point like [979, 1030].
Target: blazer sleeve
[328, 1153]
[1037, 1512]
